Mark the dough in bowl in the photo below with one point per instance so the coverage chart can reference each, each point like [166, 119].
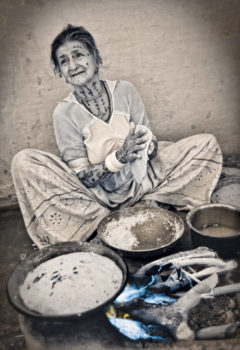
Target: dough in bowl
[71, 284]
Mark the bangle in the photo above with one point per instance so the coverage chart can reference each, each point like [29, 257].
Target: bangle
[112, 163]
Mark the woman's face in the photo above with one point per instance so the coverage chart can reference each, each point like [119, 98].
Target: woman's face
[76, 63]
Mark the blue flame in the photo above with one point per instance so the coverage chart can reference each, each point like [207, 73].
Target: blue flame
[129, 293]
[135, 329]
[159, 299]
[132, 291]
[146, 290]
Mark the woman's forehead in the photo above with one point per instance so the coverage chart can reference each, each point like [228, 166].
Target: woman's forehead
[70, 46]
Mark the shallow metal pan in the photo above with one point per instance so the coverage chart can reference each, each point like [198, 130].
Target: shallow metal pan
[19, 274]
[147, 234]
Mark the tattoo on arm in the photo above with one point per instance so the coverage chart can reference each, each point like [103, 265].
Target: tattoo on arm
[94, 175]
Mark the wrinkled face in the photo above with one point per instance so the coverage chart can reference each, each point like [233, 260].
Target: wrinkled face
[76, 63]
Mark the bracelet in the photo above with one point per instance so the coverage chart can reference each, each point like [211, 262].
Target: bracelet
[112, 163]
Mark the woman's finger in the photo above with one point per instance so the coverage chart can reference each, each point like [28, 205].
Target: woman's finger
[132, 127]
[137, 148]
[134, 156]
[150, 148]
[141, 140]
[140, 133]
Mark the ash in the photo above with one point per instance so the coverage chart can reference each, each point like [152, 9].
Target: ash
[220, 310]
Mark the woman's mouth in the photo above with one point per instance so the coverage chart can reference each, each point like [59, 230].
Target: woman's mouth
[77, 73]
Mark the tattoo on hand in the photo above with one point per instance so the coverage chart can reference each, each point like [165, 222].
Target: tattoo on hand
[94, 175]
[121, 155]
[132, 145]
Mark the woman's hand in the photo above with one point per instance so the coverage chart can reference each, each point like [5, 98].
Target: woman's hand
[133, 143]
[152, 150]
[94, 175]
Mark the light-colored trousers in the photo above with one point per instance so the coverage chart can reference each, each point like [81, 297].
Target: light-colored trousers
[57, 207]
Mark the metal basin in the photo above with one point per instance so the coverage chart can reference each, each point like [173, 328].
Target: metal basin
[141, 231]
[19, 274]
[216, 226]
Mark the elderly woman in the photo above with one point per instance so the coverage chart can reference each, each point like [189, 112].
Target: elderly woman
[109, 157]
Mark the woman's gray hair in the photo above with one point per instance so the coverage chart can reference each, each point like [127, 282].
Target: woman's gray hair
[72, 33]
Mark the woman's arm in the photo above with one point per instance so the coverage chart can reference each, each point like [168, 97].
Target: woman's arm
[94, 175]
[133, 143]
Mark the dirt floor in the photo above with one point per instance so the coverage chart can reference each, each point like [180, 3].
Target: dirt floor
[15, 246]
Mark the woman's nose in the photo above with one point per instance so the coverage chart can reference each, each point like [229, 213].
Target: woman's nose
[72, 63]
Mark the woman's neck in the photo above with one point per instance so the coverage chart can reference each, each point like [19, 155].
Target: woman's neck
[95, 99]
[91, 90]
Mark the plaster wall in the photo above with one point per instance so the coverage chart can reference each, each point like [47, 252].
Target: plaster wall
[182, 55]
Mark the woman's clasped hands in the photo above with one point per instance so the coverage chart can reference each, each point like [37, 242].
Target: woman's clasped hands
[134, 142]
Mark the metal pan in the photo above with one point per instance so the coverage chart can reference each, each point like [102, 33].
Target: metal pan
[152, 237]
[223, 217]
[19, 274]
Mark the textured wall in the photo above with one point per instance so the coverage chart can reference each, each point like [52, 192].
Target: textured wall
[183, 56]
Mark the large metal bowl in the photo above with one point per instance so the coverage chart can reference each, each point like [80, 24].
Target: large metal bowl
[19, 274]
[224, 219]
[162, 226]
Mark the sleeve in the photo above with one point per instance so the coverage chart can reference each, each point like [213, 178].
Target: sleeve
[69, 139]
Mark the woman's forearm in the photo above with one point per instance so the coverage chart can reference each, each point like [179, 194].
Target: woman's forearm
[94, 175]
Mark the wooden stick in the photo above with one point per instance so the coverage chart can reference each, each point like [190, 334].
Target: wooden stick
[228, 289]
[217, 332]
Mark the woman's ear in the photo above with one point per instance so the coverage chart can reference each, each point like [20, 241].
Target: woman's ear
[97, 67]
[57, 72]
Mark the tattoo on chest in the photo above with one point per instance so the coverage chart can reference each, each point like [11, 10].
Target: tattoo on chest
[99, 106]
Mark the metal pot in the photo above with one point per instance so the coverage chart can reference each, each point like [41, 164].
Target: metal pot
[19, 274]
[219, 216]
[147, 234]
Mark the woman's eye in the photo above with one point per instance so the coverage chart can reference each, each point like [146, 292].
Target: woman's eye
[62, 62]
[78, 54]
